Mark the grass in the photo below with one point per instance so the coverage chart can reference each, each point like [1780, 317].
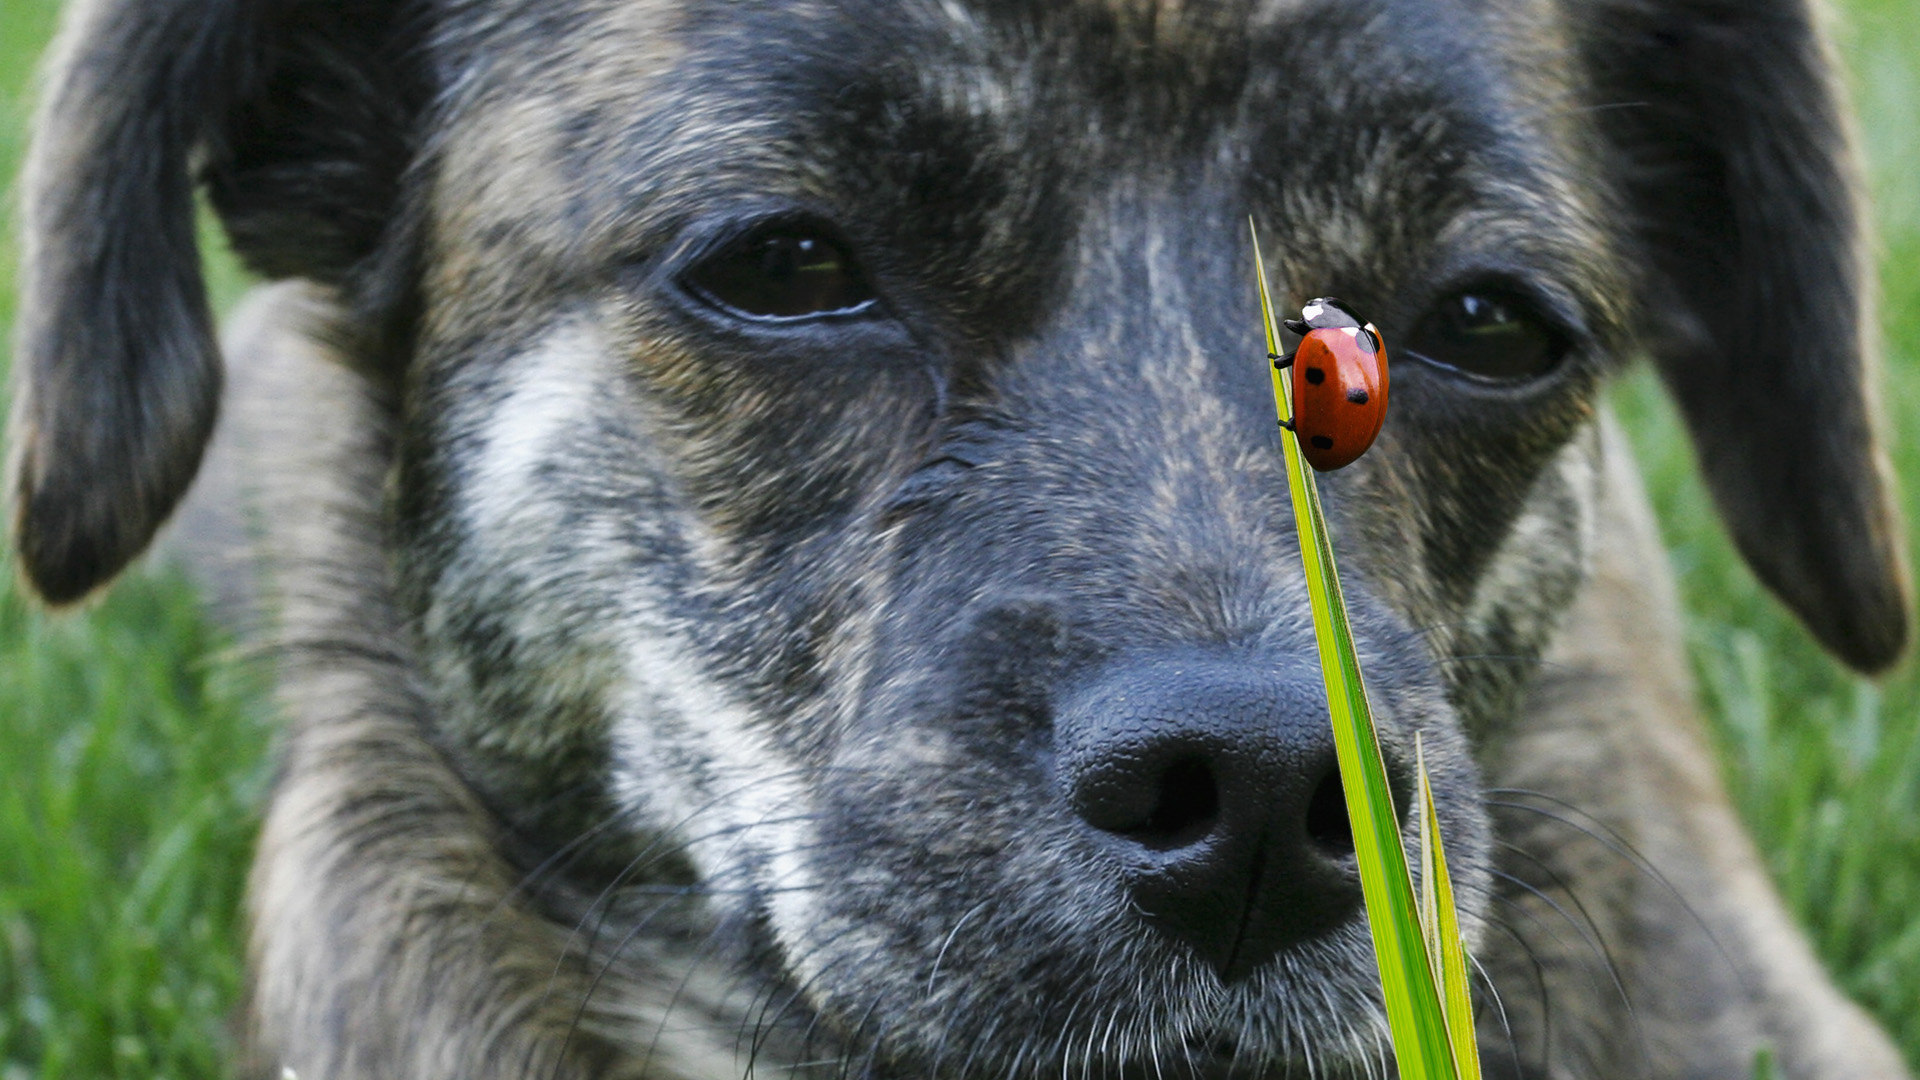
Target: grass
[131, 750]
[126, 816]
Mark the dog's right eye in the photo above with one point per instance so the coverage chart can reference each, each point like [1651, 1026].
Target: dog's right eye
[1490, 333]
[782, 273]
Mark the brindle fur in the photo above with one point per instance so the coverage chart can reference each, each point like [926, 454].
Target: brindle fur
[671, 696]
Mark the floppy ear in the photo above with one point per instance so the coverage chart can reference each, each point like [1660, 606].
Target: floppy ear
[297, 116]
[1732, 154]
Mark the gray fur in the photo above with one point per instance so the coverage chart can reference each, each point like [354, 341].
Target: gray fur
[671, 694]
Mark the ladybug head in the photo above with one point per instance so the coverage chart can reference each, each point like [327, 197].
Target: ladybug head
[1328, 313]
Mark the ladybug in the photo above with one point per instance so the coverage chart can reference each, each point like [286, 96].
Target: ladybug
[1339, 383]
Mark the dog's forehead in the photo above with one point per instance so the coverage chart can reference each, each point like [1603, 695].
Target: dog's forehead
[599, 135]
[1161, 61]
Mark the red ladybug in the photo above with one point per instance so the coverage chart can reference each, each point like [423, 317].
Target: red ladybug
[1339, 383]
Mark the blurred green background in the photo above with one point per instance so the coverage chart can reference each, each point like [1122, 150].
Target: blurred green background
[132, 743]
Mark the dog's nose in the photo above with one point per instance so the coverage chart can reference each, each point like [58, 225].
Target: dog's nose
[1213, 781]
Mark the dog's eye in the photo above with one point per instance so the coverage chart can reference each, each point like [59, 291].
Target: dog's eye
[782, 273]
[1488, 333]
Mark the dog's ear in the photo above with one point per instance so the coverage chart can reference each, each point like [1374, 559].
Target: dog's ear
[1732, 153]
[297, 116]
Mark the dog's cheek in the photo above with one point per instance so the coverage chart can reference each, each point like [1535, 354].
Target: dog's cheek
[1522, 595]
[560, 543]
[951, 889]
[572, 521]
[695, 768]
[1379, 515]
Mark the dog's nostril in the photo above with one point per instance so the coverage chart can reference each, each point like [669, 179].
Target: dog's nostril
[1327, 824]
[1188, 805]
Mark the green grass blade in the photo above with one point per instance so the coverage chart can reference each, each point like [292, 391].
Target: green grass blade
[1441, 921]
[1414, 1014]
[1429, 897]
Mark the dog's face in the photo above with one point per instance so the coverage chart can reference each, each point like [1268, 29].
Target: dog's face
[872, 461]
[837, 467]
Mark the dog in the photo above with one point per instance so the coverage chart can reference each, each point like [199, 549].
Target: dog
[771, 523]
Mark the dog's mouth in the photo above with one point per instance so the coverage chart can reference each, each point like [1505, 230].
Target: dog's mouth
[1124, 999]
[1230, 1049]
[1219, 1053]
[1220, 1056]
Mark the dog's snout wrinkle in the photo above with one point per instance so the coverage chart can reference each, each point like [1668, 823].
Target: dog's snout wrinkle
[965, 446]
[1205, 777]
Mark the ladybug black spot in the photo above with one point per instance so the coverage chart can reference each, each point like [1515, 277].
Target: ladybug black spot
[1316, 376]
[1357, 395]
[1322, 442]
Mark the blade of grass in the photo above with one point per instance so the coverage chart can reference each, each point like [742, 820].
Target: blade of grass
[1441, 921]
[1414, 1015]
[1429, 896]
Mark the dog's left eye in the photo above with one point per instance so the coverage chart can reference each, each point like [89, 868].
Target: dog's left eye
[1490, 333]
[782, 273]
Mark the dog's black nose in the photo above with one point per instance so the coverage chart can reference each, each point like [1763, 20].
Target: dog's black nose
[1213, 780]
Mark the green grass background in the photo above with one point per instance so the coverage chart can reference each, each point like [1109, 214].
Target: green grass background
[132, 745]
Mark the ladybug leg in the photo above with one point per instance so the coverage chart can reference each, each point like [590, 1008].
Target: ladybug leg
[1296, 326]
[1281, 363]
[1288, 424]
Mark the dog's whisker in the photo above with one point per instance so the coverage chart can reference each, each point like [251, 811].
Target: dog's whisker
[566, 854]
[1593, 932]
[1610, 838]
[664, 846]
[1492, 988]
[853, 1032]
[1596, 945]
[764, 1027]
[721, 929]
[661, 845]
[817, 1017]
[947, 943]
[715, 933]
[975, 1035]
[586, 997]
[1513, 658]
[561, 859]
[1543, 994]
